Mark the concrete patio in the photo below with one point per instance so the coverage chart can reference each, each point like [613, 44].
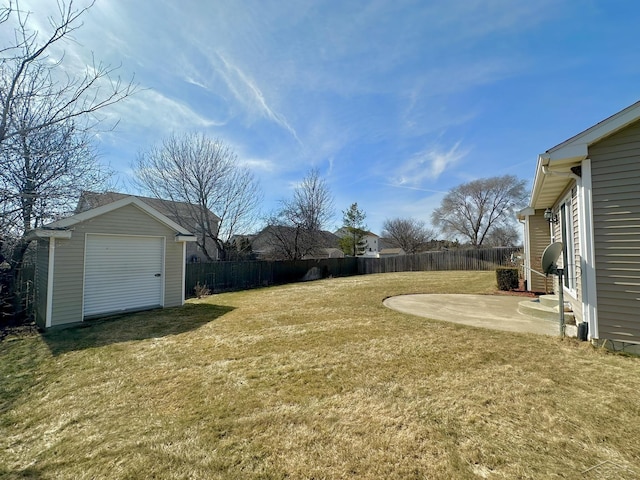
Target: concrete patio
[497, 312]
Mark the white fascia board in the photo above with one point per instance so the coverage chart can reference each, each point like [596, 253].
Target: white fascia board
[185, 238]
[570, 152]
[537, 180]
[46, 233]
[110, 207]
[525, 212]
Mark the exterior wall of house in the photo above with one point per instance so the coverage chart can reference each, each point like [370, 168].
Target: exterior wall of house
[539, 238]
[615, 177]
[69, 259]
[42, 273]
[371, 245]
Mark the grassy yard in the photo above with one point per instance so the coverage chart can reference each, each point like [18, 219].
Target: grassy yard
[315, 380]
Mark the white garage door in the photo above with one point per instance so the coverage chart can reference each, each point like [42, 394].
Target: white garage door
[122, 273]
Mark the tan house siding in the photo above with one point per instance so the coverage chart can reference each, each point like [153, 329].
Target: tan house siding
[69, 271]
[616, 214]
[539, 239]
[41, 276]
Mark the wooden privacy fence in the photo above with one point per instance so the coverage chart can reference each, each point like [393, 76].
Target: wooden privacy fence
[231, 276]
[467, 259]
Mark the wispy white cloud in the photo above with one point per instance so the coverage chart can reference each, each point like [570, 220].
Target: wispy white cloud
[258, 164]
[428, 165]
[151, 111]
[249, 94]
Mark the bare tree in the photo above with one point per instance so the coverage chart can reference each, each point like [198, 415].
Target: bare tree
[312, 203]
[295, 230]
[474, 210]
[407, 233]
[28, 76]
[205, 175]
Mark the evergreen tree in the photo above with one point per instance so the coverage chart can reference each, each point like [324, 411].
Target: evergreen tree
[353, 224]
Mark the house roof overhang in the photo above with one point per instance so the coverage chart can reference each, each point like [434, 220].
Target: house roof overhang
[547, 184]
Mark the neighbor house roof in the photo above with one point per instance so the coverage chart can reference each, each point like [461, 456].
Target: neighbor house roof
[568, 154]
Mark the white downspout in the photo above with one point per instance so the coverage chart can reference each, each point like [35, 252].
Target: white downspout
[587, 250]
[50, 268]
[184, 269]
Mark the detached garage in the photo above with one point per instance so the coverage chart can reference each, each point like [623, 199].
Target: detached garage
[120, 257]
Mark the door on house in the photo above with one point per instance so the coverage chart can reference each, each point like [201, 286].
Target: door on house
[122, 273]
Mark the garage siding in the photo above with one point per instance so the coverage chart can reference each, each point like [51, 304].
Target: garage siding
[69, 271]
[616, 215]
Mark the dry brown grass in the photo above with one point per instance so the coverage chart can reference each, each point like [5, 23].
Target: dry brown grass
[314, 380]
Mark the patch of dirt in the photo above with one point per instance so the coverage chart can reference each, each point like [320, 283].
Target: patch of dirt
[18, 331]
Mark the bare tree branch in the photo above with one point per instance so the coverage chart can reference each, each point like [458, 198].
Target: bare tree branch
[66, 98]
[203, 174]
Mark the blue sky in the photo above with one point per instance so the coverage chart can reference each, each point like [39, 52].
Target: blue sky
[395, 102]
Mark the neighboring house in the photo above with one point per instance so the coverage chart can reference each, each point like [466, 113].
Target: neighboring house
[280, 243]
[589, 187]
[189, 216]
[391, 252]
[372, 245]
[118, 257]
[239, 248]
[370, 241]
[389, 248]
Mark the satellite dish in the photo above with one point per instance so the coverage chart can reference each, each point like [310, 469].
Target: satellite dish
[549, 257]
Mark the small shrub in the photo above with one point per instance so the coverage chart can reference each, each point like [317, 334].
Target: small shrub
[507, 278]
[201, 290]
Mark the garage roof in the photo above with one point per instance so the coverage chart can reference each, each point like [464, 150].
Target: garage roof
[60, 228]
